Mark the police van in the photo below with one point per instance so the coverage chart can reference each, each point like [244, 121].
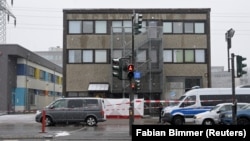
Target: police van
[200, 100]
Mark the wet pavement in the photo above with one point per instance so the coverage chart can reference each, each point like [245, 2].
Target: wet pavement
[27, 129]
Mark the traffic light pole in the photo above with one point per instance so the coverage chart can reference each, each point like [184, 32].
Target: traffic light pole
[234, 107]
[131, 97]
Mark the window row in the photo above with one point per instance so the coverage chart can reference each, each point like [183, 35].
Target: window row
[88, 56]
[101, 27]
[169, 56]
[33, 92]
[184, 56]
[184, 27]
[36, 73]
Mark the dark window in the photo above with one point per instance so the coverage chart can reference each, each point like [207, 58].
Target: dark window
[191, 82]
[75, 103]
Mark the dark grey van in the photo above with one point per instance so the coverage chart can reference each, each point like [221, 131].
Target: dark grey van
[73, 110]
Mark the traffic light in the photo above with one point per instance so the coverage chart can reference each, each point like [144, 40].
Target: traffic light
[138, 23]
[240, 65]
[138, 84]
[130, 71]
[117, 68]
[133, 86]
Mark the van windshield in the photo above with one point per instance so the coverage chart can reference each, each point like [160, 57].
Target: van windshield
[176, 102]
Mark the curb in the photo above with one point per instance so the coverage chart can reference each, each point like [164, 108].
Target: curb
[47, 136]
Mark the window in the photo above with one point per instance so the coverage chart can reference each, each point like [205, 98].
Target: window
[199, 28]
[56, 79]
[87, 26]
[122, 26]
[117, 26]
[59, 104]
[178, 56]
[200, 56]
[191, 82]
[190, 100]
[74, 27]
[144, 27]
[167, 27]
[31, 71]
[184, 56]
[74, 56]
[189, 27]
[101, 56]
[189, 56]
[75, 103]
[167, 56]
[52, 77]
[91, 102]
[177, 27]
[87, 56]
[127, 26]
[42, 75]
[31, 94]
[100, 27]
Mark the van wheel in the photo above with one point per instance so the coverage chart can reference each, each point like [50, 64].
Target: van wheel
[243, 121]
[178, 120]
[208, 122]
[91, 121]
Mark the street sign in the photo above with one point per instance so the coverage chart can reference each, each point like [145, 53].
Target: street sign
[137, 75]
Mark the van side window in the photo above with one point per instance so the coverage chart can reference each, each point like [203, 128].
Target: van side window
[75, 103]
[189, 101]
[59, 104]
[212, 100]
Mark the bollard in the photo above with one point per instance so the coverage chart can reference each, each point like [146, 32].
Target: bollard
[43, 121]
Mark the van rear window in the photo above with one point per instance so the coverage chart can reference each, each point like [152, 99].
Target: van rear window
[92, 102]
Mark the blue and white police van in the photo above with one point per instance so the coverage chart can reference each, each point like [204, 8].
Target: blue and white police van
[200, 100]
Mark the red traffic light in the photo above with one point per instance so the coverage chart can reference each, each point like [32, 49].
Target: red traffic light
[130, 68]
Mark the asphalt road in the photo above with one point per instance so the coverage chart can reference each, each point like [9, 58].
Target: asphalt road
[23, 127]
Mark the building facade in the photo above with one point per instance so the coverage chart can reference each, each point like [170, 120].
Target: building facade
[54, 54]
[171, 54]
[223, 79]
[27, 81]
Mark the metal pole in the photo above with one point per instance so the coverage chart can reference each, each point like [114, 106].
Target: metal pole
[228, 47]
[234, 107]
[54, 93]
[26, 84]
[131, 97]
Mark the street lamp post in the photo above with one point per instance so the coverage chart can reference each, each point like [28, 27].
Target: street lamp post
[229, 34]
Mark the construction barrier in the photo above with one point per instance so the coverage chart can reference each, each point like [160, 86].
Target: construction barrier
[119, 108]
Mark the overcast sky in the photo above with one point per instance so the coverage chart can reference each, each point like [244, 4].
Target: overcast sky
[39, 22]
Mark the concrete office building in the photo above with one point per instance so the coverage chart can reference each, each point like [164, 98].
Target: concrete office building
[27, 81]
[172, 53]
[54, 54]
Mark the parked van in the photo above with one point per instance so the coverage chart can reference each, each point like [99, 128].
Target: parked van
[74, 110]
[200, 100]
